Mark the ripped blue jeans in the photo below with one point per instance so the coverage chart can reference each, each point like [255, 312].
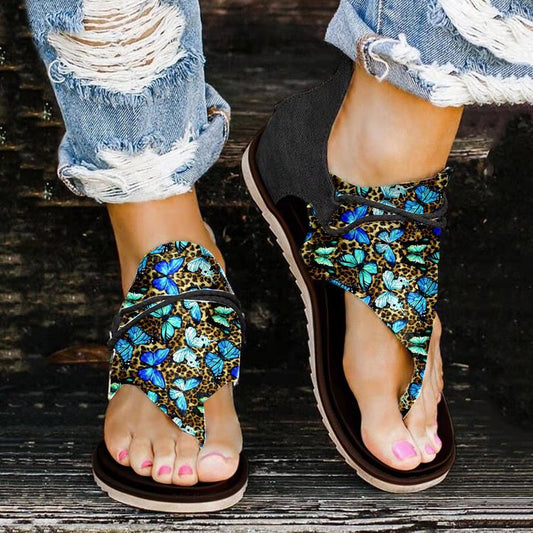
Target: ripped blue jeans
[142, 124]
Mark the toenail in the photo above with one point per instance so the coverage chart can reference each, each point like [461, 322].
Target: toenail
[430, 450]
[165, 469]
[214, 454]
[146, 464]
[403, 450]
[122, 455]
[438, 441]
[185, 470]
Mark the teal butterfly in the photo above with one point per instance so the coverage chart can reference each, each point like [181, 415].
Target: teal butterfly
[169, 323]
[178, 393]
[384, 247]
[368, 270]
[322, 255]
[201, 265]
[226, 351]
[418, 300]
[187, 353]
[132, 298]
[418, 345]
[181, 246]
[221, 315]
[135, 337]
[398, 325]
[435, 257]
[414, 253]
[388, 298]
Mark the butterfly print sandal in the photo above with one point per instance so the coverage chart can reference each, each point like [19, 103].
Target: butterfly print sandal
[178, 338]
[379, 243]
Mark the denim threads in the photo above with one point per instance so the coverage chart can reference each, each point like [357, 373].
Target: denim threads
[419, 49]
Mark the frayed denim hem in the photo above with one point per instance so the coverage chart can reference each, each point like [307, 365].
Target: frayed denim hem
[451, 52]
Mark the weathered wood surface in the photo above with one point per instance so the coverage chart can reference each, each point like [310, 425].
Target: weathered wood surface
[59, 287]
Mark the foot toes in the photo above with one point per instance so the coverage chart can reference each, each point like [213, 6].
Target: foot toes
[141, 456]
[164, 459]
[185, 466]
[386, 436]
[118, 444]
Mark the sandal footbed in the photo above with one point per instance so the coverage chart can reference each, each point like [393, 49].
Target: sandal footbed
[125, 480]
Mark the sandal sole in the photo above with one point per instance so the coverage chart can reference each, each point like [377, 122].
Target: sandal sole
[286, 248]
[123, 485]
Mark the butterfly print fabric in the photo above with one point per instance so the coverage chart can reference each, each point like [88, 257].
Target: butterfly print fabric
[179, 353]
[391, 265]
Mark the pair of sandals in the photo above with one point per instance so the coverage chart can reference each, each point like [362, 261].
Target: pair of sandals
[178, 335]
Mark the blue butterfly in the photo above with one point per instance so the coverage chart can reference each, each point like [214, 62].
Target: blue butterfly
[384, 248]
[226, 352]
[167, 268]
[152, 374]
[362, 191]
[366, 300]
[124, 347]
[235, 371]
[414, 390]
[194, 309]
[388, 298]
[425, 196]
[200, 264]
[341, 285]
[170, 323]
[417, 300]
[398, 325]
[178, 394]
[393, 191]
[186, 353]
[359, 234]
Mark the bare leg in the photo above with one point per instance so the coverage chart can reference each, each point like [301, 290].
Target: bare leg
[384, 136]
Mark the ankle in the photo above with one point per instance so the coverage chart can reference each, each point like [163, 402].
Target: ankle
[141, 227]
[383, 135]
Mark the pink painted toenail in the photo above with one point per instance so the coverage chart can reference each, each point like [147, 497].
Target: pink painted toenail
[403, 450]
[430, 450]
[438, 441]
[185, 470]
[146, 464]
[122, 455]
[164, 470]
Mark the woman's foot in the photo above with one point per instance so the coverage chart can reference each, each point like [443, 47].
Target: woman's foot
[378, 370]
[140, 435]
[137, 433]
[384, 136]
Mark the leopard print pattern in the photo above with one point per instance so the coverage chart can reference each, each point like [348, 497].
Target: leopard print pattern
[179, 354]
[391, 265]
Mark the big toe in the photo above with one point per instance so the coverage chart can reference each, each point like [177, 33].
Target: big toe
[386, 436]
